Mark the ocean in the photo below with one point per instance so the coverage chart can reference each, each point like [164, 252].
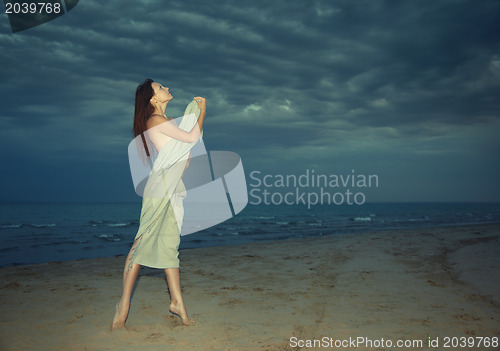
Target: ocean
[39, 233]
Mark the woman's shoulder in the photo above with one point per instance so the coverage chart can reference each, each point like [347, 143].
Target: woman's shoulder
[155, 120]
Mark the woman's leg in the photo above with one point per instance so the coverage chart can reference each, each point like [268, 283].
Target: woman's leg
[176, 303]
[129, 279]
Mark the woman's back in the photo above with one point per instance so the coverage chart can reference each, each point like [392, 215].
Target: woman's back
[158, 138]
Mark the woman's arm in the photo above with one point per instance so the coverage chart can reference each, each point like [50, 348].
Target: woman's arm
[202, 104]
[157, 124]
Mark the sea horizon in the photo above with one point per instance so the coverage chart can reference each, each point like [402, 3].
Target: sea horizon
[40, 232]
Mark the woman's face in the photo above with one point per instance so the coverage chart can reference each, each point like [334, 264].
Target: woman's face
[161, 94]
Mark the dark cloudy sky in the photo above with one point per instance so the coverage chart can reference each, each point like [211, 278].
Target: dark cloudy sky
[407, 90]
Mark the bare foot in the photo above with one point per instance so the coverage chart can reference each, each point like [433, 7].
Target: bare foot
[120, 318]
[180, 311]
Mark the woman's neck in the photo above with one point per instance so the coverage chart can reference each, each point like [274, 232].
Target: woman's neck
[160, 110]
[159, 113]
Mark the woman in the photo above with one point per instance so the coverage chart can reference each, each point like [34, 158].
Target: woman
[157, 240]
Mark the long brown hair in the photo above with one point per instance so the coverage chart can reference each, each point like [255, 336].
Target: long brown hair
[143, 109]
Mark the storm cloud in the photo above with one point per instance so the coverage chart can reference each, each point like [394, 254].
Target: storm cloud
[406, 90]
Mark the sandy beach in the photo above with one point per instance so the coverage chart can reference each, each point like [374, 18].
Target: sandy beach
[394, 285]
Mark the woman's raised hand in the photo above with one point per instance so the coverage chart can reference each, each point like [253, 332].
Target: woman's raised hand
[202, 102]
